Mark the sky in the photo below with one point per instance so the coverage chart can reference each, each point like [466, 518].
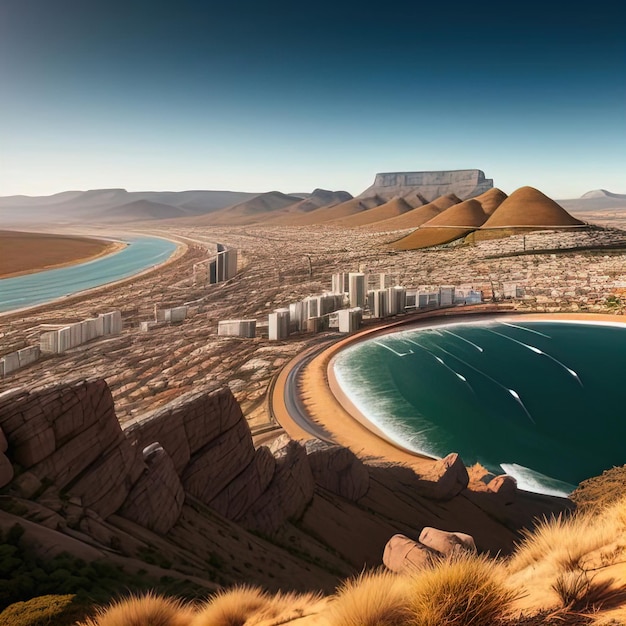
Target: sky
[258, 96]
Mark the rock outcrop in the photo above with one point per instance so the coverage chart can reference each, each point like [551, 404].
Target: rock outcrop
[446, 479]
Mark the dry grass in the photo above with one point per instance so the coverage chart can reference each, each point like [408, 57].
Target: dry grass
[461, 591]
[563, 542]
[232, 607]
[250, 605]
[377, 598]
[148, 610]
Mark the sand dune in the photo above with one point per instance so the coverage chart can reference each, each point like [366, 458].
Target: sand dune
[527, 206]
[393, 208]
[418, 216]
[327, 214]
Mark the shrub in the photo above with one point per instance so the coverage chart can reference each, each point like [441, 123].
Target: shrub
[461, 591]
[376, 598]
[43, 611]
[147, 610]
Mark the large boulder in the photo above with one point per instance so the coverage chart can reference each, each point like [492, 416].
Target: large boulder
[405, 555]
[289, 492]
[446, 543]
[446, 479]
[337, 469]
[156, 499]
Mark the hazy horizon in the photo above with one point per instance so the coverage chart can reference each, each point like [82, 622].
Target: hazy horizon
[156, 96]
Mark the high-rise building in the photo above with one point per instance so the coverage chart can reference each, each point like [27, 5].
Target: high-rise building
[357, 292]
[340, 282]
[350, 319]
[278, 326]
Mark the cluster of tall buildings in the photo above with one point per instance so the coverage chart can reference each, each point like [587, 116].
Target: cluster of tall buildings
[353, 295]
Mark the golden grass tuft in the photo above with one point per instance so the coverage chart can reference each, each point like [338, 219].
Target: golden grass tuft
[250, 605]
[564, 542]
[466, 590]
[377, 598]
[147, 610]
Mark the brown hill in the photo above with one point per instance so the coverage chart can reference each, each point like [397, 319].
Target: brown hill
[491, 200]
[391, 209]
[251, 211]
[141, 210]
[527, 206]
[468, 214]
[457, 221]
[327, 214]
[418, 216]
[320, 198]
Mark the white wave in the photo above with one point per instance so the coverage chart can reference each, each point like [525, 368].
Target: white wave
[531, 480]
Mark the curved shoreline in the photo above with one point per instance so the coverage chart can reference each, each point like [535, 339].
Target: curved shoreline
[179, 252]
[330, 408]
[111, 246]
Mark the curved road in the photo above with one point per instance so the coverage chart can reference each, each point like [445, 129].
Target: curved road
[285, 402]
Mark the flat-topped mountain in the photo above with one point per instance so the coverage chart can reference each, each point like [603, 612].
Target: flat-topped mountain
[430, 185]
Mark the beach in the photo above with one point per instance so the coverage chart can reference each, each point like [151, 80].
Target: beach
[331, 409]
[26, 253]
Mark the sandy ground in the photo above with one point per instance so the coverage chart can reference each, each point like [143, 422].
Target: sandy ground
[330, 408]
[27, 253]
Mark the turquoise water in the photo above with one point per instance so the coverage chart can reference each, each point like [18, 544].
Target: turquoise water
[141, 253]
[543, 401]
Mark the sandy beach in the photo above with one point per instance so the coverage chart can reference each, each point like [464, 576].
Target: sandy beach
[330, 408]
[179, 252]
[26, 253]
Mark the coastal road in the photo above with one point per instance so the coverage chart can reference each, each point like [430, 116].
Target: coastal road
[285, 401]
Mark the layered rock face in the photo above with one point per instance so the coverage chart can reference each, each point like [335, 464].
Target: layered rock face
[66, 439]
[430, 185]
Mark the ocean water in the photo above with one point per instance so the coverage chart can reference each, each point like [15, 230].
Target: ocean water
[542, 401]
[141, 253]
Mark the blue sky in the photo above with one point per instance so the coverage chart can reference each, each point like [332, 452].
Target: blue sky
[257, 96]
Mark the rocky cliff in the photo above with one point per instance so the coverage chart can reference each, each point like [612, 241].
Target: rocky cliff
[427, 186]
[186, 482]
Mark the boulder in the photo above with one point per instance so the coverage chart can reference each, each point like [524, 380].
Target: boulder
[337, 469]
[156, 499]
[446, 543]
[446, 479]
[405, 555]
[289, 492]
